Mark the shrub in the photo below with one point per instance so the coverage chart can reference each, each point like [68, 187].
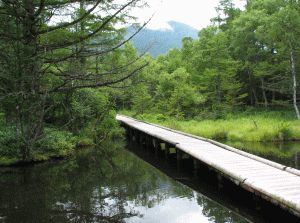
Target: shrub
[161, 117]
[117, 133]
[8, 143]
[58, 141]
[284, 131]
[145, 117]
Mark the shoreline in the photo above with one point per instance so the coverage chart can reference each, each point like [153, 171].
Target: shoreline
[14, 162]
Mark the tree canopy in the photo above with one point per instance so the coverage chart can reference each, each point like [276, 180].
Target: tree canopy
[64, 66]
[53, 47]
[243, 58]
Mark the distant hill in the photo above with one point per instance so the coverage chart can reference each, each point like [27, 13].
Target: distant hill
[165, 39]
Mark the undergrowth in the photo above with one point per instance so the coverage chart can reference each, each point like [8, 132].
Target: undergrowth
[60, 142]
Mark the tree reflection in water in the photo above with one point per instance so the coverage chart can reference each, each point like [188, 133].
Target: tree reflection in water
[105, 184]
[95, 185]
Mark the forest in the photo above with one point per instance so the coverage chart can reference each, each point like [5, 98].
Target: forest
[66, 70]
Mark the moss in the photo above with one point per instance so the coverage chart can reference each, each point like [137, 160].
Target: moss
[5, 161]
[84, 142]
[40, 157]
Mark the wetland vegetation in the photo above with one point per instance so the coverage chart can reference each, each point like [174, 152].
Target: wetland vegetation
[251, 125]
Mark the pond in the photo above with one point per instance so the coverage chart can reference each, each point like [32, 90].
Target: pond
[121, 182]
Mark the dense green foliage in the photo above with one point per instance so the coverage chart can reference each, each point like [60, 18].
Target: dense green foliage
[59, 62]
[61, 83]
[244, 58]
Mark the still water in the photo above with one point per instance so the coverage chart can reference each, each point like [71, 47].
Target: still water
[117, 182]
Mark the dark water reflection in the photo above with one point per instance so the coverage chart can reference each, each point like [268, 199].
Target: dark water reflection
[111, 184]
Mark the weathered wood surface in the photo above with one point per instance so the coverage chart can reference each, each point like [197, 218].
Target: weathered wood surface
[272, 181]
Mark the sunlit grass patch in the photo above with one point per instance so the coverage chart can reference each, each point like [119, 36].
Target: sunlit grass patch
[259, 126]
[245, 129]
[235, 136]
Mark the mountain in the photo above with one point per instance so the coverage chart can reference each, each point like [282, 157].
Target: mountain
[165, 39]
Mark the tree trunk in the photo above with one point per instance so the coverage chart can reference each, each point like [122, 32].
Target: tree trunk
[273, 98]
[30, 109]
[253, 97]
[82, 30]
[178, 104]
[294, 84]
[8, 116]
[296, 160]
[264, 93]
[219, 77]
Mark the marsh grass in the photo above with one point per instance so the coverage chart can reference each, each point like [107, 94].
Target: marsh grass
[259, 126]
[243, 129]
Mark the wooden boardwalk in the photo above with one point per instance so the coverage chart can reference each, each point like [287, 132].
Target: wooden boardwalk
[274, 182]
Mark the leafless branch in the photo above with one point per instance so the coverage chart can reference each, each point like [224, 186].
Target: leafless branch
[101, 84]
[63, 26]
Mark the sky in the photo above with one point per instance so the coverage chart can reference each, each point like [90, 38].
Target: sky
[196, 13]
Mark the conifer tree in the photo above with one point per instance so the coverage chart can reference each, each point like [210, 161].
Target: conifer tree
[44, 49]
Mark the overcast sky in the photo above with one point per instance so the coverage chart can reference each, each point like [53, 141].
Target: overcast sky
[196, 13]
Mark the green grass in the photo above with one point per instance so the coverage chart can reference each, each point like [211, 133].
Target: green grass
[243, 129]
[39, 157]
[259, 126]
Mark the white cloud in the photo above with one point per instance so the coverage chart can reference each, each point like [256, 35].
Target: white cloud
[196, 13]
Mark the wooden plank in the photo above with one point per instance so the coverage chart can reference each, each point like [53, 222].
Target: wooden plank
[273, 181]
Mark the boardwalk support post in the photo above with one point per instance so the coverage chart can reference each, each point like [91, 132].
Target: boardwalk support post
[127, 130]
[179, 154]
[167, 150]
[146, 146]
[148, 142]
[136, 136]
[220, 181]
[141, 138]
[196, 167]
[157, 146]
[130, 133]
